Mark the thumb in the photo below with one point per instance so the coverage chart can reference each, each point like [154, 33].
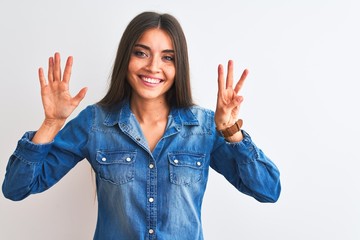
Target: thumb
[80, 96]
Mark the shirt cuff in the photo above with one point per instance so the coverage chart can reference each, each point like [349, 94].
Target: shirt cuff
[30, 152]
[246, 148]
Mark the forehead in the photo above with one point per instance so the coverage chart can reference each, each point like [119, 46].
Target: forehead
[156, 39]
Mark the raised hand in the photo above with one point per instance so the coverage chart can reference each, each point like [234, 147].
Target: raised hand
[57, 101]
[228, 100]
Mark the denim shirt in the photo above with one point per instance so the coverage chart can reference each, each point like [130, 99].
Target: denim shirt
[143, 194]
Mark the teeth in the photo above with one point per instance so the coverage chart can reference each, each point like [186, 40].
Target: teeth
[151, 80]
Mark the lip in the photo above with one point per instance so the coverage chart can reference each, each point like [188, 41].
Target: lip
[150, 81]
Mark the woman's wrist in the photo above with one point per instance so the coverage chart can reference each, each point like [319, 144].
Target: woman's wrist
[233, 132]
[237, 137]
[47, 131]
[228, 131]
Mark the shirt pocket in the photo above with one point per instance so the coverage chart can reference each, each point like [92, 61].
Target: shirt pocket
[186, 168]
[117, 167]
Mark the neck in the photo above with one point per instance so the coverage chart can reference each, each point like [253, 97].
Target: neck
[150, 111]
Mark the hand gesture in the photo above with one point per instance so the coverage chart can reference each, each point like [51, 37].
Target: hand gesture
[57, 101]
[228, 100]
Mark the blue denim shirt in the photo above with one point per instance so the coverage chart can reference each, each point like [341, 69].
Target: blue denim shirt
[143, 194]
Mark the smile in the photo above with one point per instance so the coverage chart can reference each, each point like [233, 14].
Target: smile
[151, 80]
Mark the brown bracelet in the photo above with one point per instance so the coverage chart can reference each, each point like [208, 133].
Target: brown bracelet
[228, 132]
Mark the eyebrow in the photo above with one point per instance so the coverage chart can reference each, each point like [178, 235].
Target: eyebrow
[148, 48]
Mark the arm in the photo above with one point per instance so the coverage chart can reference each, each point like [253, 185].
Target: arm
[34, 168]
[247, 168]
[39, 161]
[245, 165]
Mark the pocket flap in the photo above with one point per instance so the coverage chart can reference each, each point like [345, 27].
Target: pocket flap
[193, 160]
[115, 157]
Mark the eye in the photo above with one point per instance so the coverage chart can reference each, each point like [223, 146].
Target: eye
[139, 53]
[169, 58]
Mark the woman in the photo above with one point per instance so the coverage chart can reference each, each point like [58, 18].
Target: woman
[147, 142]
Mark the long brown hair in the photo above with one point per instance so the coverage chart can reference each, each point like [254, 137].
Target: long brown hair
[179, 95]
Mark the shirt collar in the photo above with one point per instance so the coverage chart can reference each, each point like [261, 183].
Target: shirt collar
[121, 113]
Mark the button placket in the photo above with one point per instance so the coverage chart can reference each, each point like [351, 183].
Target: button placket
[151, 195]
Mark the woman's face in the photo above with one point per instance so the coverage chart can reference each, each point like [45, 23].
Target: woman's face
[151, 70]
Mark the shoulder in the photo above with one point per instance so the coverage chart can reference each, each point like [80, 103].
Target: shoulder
[199, 111]
[198, 115]
[91, 114]
[100, 111]
[100, 114]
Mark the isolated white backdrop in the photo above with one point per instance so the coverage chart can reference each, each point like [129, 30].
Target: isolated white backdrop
[301, 107]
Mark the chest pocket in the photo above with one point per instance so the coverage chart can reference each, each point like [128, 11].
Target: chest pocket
[186, 168]
[117, 167]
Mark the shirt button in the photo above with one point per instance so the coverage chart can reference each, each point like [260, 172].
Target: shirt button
[138, 139]
[151, 199]
[151, 165]
[128, 159]
[198, 163]
[151, 231]
[176, 161]
[103, 159]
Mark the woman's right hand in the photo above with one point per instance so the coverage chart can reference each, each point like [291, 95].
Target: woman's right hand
[57, 101]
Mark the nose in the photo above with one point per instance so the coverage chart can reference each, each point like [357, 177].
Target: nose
[154, 64]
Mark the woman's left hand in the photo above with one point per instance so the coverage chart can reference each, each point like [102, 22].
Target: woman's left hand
[228, 100]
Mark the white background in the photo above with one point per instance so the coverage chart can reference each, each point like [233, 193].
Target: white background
[301, 107]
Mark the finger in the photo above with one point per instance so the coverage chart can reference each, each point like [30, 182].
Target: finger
[67, 71]
[80, 96]
[57, 68]
[241, 81]
[230, 76]
[220, 78]
[51, 70]
[42, 78]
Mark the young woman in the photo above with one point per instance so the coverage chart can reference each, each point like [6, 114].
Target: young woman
[150, 146]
